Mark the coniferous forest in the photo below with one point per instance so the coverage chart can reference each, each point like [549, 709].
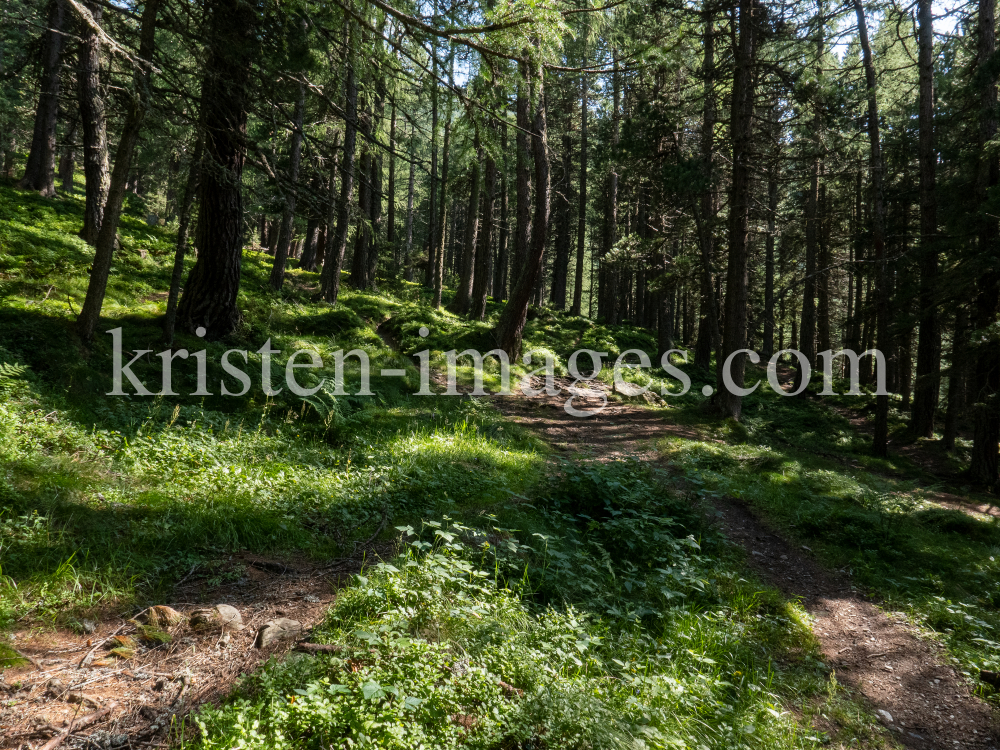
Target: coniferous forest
[192, 191]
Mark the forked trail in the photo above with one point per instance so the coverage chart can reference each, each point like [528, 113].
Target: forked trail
[905, 676]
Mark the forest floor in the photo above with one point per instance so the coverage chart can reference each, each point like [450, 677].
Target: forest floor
[481, 572]
[902, 672]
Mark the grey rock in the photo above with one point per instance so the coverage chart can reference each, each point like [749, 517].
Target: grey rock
[273, 631]
[221, 616]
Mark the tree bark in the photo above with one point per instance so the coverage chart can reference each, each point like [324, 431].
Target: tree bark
[40, 171]
[956, 377]
[880, 438]
[390, 219]
[510, 327]
[439, 241]
[480, 288]
[67, 165]
[741, 127]
[501, 271]
[564, 240]
[95, 138]
[986, 434]
[522, 188]
[767, 345]
[334, 261]
[104, 248]
[291, 194]
[408, 256]
[210, 295]
[708, 318]
[581, 219]
[463, 294]
[180, 250]
[926, 387]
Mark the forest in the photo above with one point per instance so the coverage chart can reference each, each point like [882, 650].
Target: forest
[705, 182]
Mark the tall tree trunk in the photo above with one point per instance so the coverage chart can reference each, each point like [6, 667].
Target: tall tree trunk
[390, 219]
[334, 261]
[374, 232]
[986, 410]
[564, 240]
[40, 171]
[104, 249]
[956, 377]
[581, 219]
[823, 334]
[291, 193]
[431, 270]
[741, 127]
[212, 289]
[510, 327]
[480, 288]
[609, 276]
[180, 250]
[95, 139]
[362, 228]
[708, 319]
[408, 255]
[463, 294]
[522, 210]
[926, 387]
[501, 271]
[880, 438]
[767, 346]
[439, 241]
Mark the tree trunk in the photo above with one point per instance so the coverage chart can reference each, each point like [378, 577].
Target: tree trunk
[439, 242]
[823, 334]
[767, 345]
[334, 261]
[510, 327]
[581, 219]
[741, 127]
[956, 377]
[609, 293]
[564, 240]
[104, 249]
[183, 224]
[880, 439]
[375, 200]
[432, 188]
[362, 228]
[463, 294]
[480, 289]
[291, 194]
[95, 139]
[40, 171]
[408, 256]
[212, 288]
[67, 165]
[708, 318]
[390, 219]
[986, 435]
[522, 189]
[926, 387]
[501, 272]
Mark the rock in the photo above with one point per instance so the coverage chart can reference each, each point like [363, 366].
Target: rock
[88, 626]
[220, 616]
[160, 616]
[885, 715]
[273, 631]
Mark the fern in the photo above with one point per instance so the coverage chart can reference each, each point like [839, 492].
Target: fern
[12, 372]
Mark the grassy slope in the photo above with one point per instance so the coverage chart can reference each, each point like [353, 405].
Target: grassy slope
[598, 593]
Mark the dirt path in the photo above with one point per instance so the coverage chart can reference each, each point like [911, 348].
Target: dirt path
[903, 675]
[165, 682]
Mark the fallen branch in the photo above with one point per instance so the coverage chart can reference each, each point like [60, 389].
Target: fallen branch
[77, 724]
[89, 656]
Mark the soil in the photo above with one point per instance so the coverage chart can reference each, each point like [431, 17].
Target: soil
[162, 684]
[901, 672]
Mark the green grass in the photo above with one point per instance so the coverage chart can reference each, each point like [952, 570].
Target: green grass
[603, 614]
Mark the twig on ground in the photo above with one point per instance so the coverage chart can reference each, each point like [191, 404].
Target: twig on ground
[79, 724]
[89, 656]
